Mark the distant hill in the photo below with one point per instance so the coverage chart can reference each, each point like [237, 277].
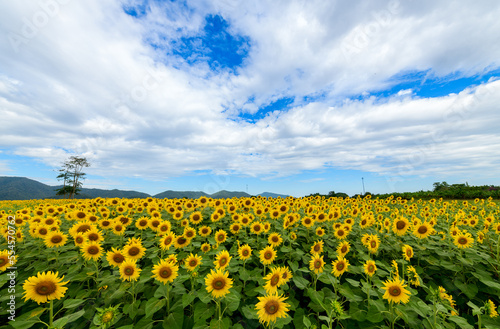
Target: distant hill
[22, 188]
[180, 194]
[272, 195]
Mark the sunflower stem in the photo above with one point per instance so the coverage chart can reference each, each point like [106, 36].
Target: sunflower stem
[51, 313]
[168, 298]
[479, 321]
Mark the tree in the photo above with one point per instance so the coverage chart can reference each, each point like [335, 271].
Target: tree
[71, 173]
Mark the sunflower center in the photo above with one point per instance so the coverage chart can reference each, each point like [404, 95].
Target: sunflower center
[93, 237]
[43, 231]
[45, 288]
[134, 251]
[204, 231]
[143, 223]
[395, 291]
[220, 237]
[307, 221]
[272, 307]
[182, 240]
[317, 264]
[222, 261]
[80, 215]
[3, 261]
[49, 221]
[339, 232]
[155, 223]
[343, 249]
[129, 271]
[218, 284]
[118, 258]
[371, 268]
[79, 239]
[275, 279]
[462, 241]
[317, 248]
[168, 240]
[422, 229]
[165, 272]
[256, 228]
[268, 255]
[193, 263]
[107, 317]
[93, 250]
[400, 225]
[373, 243]
[340, 266]
[118, 227]
[245, 252]
[56, 239]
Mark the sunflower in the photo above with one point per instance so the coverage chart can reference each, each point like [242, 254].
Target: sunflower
[129, 270]
[79, 239]
[274, 239]
[220, 236]
[286, 274]
[463, 240]
[164, 227]
[235, 228]
[44, 287]
[491, 309]
[267, 255]
[317, 247]
[307, 222]
[273, 280]
[94, 235]
[395, 291]
[222, 260]
[189, 232]
[343, 248]
[373, 244]
[134, 251]
[256, 228]
[423, 230]
[271, 307]
[6, 261]
[245, 251]
[165, 271]
[196, 217]
[192, 262]
[115, 257]
[400, 226]
[181, 241]
[316, 264]
[218, 283]
[118, 228]
[167, 241]
[204, 231]
[340, 266]
[370, 267]
[320, 231]
[55, 239]
[91, 250]
[407, 252]
[206, 247]
[172, 259]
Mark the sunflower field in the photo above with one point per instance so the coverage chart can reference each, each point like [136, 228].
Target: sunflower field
[309, 262]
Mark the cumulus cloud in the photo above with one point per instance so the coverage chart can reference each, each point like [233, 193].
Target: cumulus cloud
[88, 78]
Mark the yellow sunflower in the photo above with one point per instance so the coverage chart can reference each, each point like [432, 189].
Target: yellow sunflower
[286, 274]
[6, 260]
[44, 287]
[206, 247]
[245, 251]
[463, 240]
[235, 228]
[196, 217]
[271, 307]
[370, 267]
[220, 236]
[167, 241]
[373, 244]
[343, 248]
[115, 257]
[189, 232]
[395, 291]
[134, 251]
[407, 252]
[267, 255]
[317, 247]
[181, 241]
[222, 260]
[55, 239]
[320, 231]
[218, 283]
[129, 270]
[204, 231]
[307, 222]
[400, 226]
[192, 262]
[317, 264]
[91, 250]
[423, 230]
[274, 239]
[256, 228]
[165, 271]
[142, 223]
[273, 280]
[340, 266]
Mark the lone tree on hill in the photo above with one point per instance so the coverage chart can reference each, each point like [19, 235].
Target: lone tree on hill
[72, 175]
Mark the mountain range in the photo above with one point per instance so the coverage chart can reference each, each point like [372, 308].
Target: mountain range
[22, 188]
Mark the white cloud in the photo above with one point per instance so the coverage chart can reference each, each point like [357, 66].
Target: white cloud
[89, 82]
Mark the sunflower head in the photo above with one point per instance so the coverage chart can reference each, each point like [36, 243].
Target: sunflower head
[129, 270]
[165, 271]
[267, 255]
[218, 283]
[192, 262]
[44, 287]
[271, 307]
[222, 260]
[369, 267]
[340, 266]
[395, 291]
[245, 251]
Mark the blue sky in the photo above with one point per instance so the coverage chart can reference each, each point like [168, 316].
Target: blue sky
[287, 97]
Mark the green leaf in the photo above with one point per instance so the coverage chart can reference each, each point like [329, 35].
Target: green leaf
[306, 321]
[352, 282]
[470, 290]
[244, 275]
[174, 321]
[187, 299]
[161, 291]
[154, 305]
[72, 303]
[300, 282]
[349, 294]
[224, 323]
[374, 315]
[475, 309]
[233, 300]
[461, 322]
[249, 312]
[68, 318]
